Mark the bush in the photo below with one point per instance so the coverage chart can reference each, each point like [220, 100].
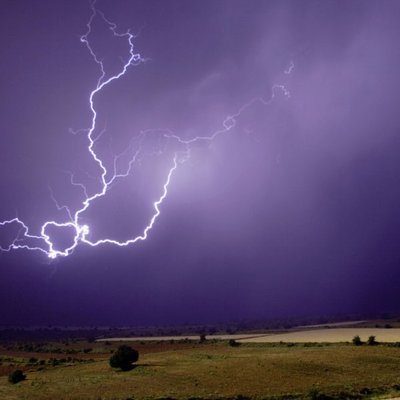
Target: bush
[233, 343]
[357, 341]
[315, 394]
[366, 391]
[124, 357]
[396, 386]
[16, 376]
[372, 341]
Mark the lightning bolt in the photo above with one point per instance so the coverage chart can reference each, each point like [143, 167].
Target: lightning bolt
[42, 241]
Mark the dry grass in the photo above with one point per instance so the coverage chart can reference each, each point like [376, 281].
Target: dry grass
[217, 371]
[179, 338]
[329, 336]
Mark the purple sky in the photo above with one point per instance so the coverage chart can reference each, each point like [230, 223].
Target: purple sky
[292, 212]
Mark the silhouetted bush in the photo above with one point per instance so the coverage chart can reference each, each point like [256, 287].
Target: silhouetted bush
[16, 376]
[241, 397]
[357, 341]
[372, 341]
[233, 343]
[124, 357]
[366, 391]
[315, 394]
[396, 386]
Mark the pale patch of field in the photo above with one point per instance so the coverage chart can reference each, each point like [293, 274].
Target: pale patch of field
[177, 338]
[332, 324]
[333, 335]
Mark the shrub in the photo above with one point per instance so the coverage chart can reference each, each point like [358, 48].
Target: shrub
[16, 376]
[357, 341]
[366, 391]
[315, 394]
[396, 386]
[372, 341]
[124, 357]
[233, 343]
[241, 397]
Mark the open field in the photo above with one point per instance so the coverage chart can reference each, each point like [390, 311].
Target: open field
[327, 335]
[179, 338]
[213, 370]
[334, 324]
[331, 335]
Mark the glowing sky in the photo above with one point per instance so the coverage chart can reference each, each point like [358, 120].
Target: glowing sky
[290, 209]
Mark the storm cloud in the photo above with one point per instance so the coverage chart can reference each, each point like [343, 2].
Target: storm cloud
[293, 212]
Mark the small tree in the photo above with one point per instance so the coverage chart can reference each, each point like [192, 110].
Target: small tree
[16, 376]
[357, 341]
[233, 343]
[372, 341]
[124, 357]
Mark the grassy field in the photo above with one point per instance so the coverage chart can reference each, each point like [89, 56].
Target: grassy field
[210, 370]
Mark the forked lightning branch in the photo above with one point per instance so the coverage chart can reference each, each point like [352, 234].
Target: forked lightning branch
[42, 241]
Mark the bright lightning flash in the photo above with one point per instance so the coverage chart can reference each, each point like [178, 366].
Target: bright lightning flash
[42, 240]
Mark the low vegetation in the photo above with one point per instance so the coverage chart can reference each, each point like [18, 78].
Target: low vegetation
[294, 364]
[16, 376]
[208, 370]
[372, 341]
[357, 341]
[124, 358]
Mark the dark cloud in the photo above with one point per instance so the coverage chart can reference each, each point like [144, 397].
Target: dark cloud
[294, 212]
